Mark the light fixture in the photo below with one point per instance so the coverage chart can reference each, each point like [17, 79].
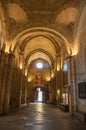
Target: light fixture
[58, 92]
[21, 67]
[58, 67]
[29, 79]
[25, 72]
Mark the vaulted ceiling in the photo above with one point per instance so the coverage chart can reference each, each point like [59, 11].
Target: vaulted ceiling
[40, 29]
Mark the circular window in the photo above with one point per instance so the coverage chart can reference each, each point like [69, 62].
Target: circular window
[39, 65]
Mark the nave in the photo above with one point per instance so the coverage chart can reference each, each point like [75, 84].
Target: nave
[40, 116]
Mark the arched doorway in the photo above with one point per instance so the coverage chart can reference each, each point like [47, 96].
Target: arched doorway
[40, 95]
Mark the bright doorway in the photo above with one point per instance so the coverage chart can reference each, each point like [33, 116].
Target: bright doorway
[39, 96]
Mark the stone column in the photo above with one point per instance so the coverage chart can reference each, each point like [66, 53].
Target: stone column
[8, 80]
[59, 75]
[23, 89]
[15, 89]
[53, 90]
[26, 91]
[18, 87]
[71, 83]
[2, 89]
[21, 85]
[26, 94]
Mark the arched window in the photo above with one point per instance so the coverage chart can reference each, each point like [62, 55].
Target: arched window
[65, 66]
[65, 73]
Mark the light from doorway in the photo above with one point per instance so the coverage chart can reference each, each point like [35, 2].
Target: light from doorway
[40, 96]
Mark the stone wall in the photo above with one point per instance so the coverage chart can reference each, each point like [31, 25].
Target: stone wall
[81, 59]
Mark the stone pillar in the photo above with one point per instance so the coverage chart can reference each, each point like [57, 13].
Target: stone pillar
[59, 80]
[53, 90]
[71, 83]
[59, 86]
[23, 89]
[26, 85]
[20, 87]
[2, 89]
[49, 92]
[15, 89]
[7, 80]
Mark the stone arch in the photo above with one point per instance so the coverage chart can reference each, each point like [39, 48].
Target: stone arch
[24, 43]
[55, 34]
[2, 29]
[50, 58]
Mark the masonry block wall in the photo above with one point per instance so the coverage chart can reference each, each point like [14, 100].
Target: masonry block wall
[81, 59]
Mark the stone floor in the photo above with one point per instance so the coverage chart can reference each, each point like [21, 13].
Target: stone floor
[39, 116]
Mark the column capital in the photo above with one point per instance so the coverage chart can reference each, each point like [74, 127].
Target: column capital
[11, 55]
[68, 57]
